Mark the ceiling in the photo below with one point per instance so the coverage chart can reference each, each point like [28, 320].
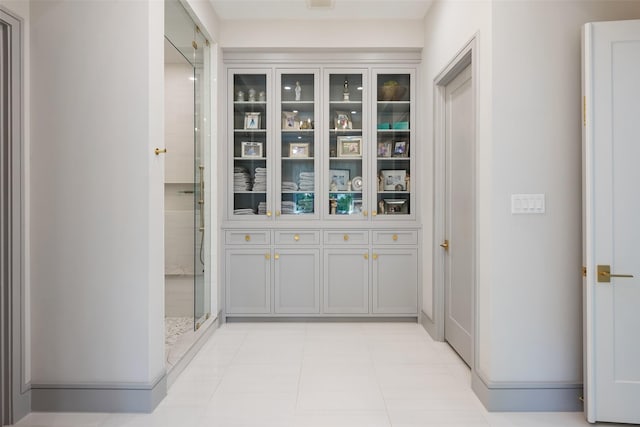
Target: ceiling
[339, 9]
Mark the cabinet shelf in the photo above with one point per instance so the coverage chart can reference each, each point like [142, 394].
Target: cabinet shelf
[250, 103]
[298, 192]
[251, 159]
[394, 130]
[310, 103]
[250, 130]
[298, 130]
[345, 130]
[394, 192]
[297, 159]
[345, 192]
[393, 159]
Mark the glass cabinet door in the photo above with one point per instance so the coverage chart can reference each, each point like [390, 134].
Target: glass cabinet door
[297, 156]
[250, 145]
[347, 148]
[394, 144]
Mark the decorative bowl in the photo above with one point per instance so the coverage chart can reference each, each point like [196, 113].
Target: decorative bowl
[391, 92]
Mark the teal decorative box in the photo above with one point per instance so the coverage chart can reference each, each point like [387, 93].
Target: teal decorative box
[401, 125]
[384, 126]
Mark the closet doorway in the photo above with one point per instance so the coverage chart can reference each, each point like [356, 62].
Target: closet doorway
[456, 214]
[186, 101]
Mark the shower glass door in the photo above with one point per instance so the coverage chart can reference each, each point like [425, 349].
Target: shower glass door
[187, 128]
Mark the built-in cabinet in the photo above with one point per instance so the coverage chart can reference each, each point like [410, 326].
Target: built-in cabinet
[321, 217]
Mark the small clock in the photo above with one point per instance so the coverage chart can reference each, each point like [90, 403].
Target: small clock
[356, 183]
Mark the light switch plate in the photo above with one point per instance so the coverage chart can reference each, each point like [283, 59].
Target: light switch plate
[527, 204]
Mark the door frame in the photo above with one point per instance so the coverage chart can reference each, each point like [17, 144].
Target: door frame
[466, 56]
[17, 403]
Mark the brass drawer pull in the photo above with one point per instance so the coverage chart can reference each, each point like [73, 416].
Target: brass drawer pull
[395, 237]
[247, 238]
[346, 237]
[296, 237]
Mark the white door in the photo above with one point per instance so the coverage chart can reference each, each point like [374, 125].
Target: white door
[612, 220]
[459, 206]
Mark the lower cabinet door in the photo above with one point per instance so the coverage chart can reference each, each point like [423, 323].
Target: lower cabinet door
[346, 281]
[297, 281]
[395, 281]
[247, 278]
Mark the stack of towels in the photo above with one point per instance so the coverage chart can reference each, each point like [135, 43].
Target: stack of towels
[289, 186]
[288, 208]
[241, 179]
[260, 180]
[307, 181]
[244, 211]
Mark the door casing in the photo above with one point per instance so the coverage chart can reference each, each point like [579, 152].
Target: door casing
[468, 55]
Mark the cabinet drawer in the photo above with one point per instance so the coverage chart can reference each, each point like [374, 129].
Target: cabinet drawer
[403, 237]
[252, 237]
[300, 237]
[346, 237]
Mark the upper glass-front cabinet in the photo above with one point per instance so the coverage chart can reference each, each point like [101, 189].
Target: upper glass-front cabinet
[394, 151]
[250, 178]
[297, 164]
[346, 149]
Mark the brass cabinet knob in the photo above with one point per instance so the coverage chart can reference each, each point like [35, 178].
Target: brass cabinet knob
[365, 213]
[296, 237]
[366, 256]
[276, 256]
[247, 238]
[267, 256]
[395, 237]
[374, 213]
[277, 213]
[269, 213]
[346, 237]
[160, 151]
[375, 256]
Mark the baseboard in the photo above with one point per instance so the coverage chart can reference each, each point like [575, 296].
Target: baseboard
[528, 397]
[429, 326]
[206, 330]
[21, 406]
[328, 319]
[98, 397]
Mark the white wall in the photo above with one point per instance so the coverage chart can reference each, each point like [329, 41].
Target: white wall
[529, 283]
[535, 288]
[321, 34]
[21, 9]
[96, 192]
[449, 26]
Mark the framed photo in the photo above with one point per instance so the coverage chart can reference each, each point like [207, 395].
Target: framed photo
[252, 120]
[384, 149]
[394, 180]
[290, 121]
[357, 206]
[395, 206]
[338, 180]
[343, 120]
[251, 149]
[400, 149]
[349, 146]
[299, 149]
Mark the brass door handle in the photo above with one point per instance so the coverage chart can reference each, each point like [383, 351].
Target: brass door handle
[374, 213]
[160, 151]
[445, 245]
[365, 213]
[267, 256]
[366, 256]
[375, 256]
[605, 275]
[269, 213]
[276, 256]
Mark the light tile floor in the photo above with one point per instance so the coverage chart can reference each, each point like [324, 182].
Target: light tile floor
[319, 375]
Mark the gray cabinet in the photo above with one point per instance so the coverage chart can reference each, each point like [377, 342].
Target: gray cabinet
[346, 281]
[248, 281]
[297, 281]
[395, 281]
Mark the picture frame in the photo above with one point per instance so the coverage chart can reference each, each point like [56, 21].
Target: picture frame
[357, 206]
[394, 180]
[349, 146]
[395, 206]
[290, 120]
[343, 120]
[252, 120]
[251, 149]
[299, 150]
[400, 149]
[385, 149]
[339, 180]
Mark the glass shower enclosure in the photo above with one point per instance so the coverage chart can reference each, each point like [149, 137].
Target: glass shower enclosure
[187, 106]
